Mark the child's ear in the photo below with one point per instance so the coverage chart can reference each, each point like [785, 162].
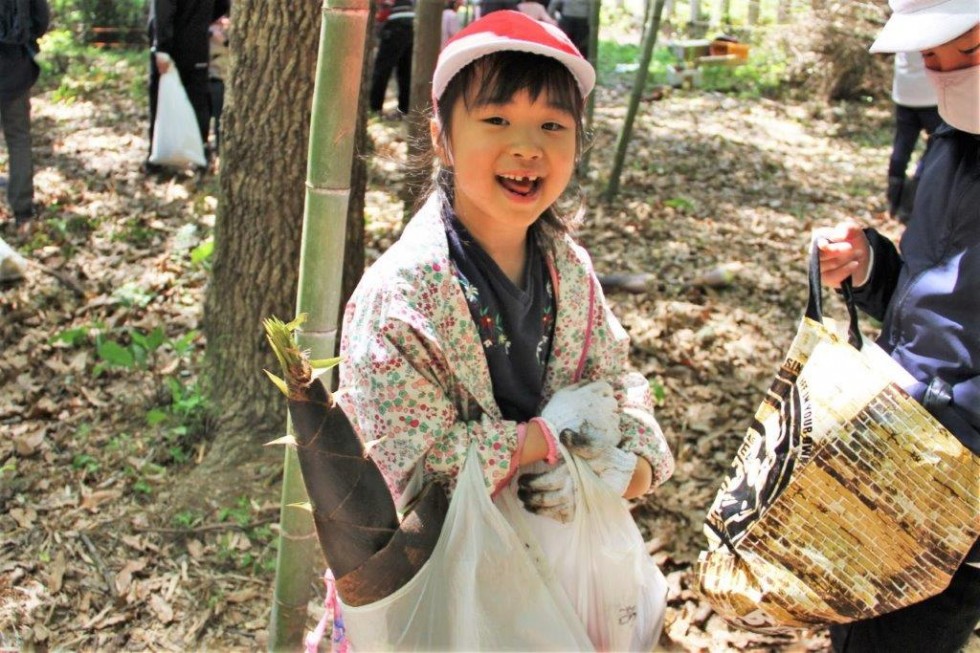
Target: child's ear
[435, 132]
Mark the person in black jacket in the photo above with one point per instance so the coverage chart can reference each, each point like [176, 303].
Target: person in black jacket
[394, 54]
[179, 33]
[22, 23]
[927, 295]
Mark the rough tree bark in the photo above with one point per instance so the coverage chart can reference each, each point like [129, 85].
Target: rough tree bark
[425, 52]
[260, 216]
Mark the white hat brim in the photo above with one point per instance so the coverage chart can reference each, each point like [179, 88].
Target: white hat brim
[928, 27]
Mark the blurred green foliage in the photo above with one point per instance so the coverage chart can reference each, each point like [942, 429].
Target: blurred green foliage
[82, 15]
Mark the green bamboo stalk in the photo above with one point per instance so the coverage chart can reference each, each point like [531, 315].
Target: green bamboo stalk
[332, 129]
[646, 54]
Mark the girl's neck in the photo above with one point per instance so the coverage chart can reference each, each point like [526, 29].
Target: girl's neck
[506, 246]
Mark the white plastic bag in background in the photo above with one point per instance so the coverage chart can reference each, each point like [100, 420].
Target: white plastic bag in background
[12, 264]
[176, 135]
[600, 559]
[479, 591]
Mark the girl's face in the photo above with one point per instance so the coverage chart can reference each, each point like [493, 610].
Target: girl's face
[510, 161]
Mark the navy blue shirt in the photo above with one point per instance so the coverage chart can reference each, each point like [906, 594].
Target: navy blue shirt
[516, 324]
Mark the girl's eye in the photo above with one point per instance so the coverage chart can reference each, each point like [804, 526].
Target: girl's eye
[972, 50]
[553, 127]
[495, 120]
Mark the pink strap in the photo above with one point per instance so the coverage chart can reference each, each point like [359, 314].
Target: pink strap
[590, 324]
[338, 639]
[588, 330]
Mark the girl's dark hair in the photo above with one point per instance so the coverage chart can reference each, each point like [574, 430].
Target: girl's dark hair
[495, 79]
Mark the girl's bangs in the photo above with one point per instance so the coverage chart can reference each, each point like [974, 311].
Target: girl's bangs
[502, 75]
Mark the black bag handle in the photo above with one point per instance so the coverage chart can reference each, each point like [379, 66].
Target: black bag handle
[814, 305]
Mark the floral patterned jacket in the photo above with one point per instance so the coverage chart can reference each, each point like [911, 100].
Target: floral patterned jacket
[414, 379]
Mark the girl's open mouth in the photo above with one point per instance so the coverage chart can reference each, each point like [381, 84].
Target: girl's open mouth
[520, 185]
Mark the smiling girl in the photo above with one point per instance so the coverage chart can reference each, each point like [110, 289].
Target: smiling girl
[484, 326]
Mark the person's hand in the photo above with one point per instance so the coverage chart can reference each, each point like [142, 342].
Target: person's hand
[585, 417]
[844, 252]
[549, 494]
[614, 467]
[163, 62]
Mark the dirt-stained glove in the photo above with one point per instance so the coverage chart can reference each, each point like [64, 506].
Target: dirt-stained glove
[585, 417]
[615, 468]
[549, 494]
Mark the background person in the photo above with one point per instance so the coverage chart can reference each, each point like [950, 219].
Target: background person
[573, 19]
[18, 72]
[915, 110]
[928, 297]
[179, 29]
[394, 54]
[218, 62]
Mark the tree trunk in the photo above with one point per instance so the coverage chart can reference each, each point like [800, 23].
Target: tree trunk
[425, 52]
[754, 11]
[783, 8]
[646, 54]
[260, 216]
[594, 19]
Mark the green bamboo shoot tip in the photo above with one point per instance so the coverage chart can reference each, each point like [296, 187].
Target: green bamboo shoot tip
[297, 322]
[279, 382]
[325, 363]
[306, 505]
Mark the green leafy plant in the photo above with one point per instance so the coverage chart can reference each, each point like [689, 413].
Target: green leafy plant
[8, 468]
[85, 463]
[187, 519]
[201, 255]
[658, 391]
[240, 513]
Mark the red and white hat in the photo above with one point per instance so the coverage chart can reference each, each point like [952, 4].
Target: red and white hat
[504, 31]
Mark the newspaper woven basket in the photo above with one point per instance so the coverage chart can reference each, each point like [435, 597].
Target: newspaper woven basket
[846, 499]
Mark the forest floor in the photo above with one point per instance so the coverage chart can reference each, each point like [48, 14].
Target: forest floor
[99, 351]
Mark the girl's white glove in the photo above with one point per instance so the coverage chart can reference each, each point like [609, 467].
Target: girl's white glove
[549, 494]
[585, 417]
[615, 468]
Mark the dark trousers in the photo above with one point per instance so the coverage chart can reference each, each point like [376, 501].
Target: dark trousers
[217, 88]
[577, 29]
[940, 624]
[394, 54]
[195, 81]
[909, 121]
[15, 117]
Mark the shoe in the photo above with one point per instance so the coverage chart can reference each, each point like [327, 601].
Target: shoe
[149, 169]
[30, 214]
[24, 225]
[894, 194]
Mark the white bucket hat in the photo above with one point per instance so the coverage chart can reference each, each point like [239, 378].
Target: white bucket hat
[923, 24]
[507, 31]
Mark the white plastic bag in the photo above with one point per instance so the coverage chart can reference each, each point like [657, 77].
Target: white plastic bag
[12, 264]
[176, 135]
[600, 560]
[489, 585]
[479, 591]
